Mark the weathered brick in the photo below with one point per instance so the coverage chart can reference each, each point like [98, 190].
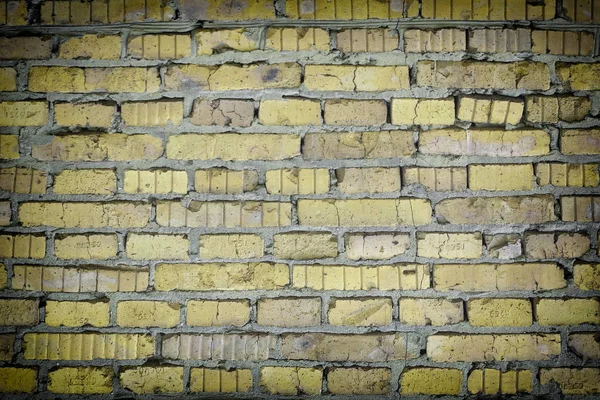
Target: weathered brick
[222, 181]
[355, 112]
[231, 276]
[578, 76]
[8, 79]
[233, 146]
[567, 175]
[490, 111]
[585, 345]
[220, 347]
[84, 114]
[142, 314]
[77, 313]
[375, 40]
[360, 312]
[360, 348]
[500, 312]
[350, 10]
[580, 141]
[578, 381]
[297, 181]
[449, 245]
[523, 75]
[85, 181]
[289, 312]
[356, 78]
[157, 247]
[435, 312]
[218, 312]
[553, 109]
[86, 247]
[495, 10]
[96, 47]
[304, 245]
[500, 40]
[14, 13]
[359, 381]
[369, 180]
[436, 179]
[19, 312]
[423, 111]
[568, 43]
[152, 113]
[505, 246]
[441, 40]
[376, 246]
[358, 145]
[482, 142]
[223, 112]
[23, 113]
[7, 344]
[233, 245]
[160, 181]
[220, 380]
[483, 347]
[65, 12]
[162, 47]
[497, 277]
[3, 281]
[25, 48]
[431, 381]
[22, 246]
[223, 10]
[501, 177]
[552, 312]
[23, 180]
[290, 112]
[541, 245]
[297, 39]
[5, 213]
[496, 210]
[18, 380]
[581, 12]
[211, 41]
[580, 208]
[9, 147]
[587, 276]
[81, 380]
[152, 380]
[98, 147]
[493, 382]
[291, 380]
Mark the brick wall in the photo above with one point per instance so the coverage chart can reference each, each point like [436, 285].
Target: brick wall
[337, 197]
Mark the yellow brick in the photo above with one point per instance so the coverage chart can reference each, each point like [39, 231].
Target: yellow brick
[9, 147]
[441, 40]
[490, 111]
[225, 181]
[161, 47]
[152, 113]
[500, 40]
[230, 276]
[77, 313]
[232, 146]
[367, 40]
[86, 247]
[360, 312]
[567, 311]
[291, 380]
[304, 245]
[573, 381]
[484, 75]
[297, 39]
[91, 46]
[339, 277]
[235, 77]
[85, 181]
[552, 109]
[355, 112]
[84, 114]
[434, 312]
[492, 381]
[223, 112]
[580, 141]
[212, 41]
[501, 177]
[218, 312]
[26, 48]
[3, 283]
[23, 180]
[423, 111]
[449, 245]
[183, 77]
[75, 280]
[220, 380]
[142, 314]
[497, 277]
[290, 312]
[370, 180]
[376, 246]
[499, 312]
[358, 145]
[157, 247]
[220, 347]
[160, 181]
[87, 346]
[508, 347]
[23, 113]
[496, 210]
[7, 344]
[585, 345]
[152, 380]
[84, 215]
[224, 10]
[81, 380]
[22, 246]
[97, 147]
[356, 78]
[436, 179]
[8, 79]
[567, 43]
[364, 212]
[297, 181]
[16, 13]
[483, 142]
[431, 381]
[580, 208]
[5, 213]
[18, 380]
[359, 381]
[567, 175]
[587, 276]
[290, 112]
[578, 76]
[556, 245]
[231, 246]
[19, 312]
[74, 79]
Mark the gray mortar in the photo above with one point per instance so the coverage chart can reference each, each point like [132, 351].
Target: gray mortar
[31, 136]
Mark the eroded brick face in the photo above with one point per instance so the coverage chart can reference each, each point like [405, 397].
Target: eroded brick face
[299, 198]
